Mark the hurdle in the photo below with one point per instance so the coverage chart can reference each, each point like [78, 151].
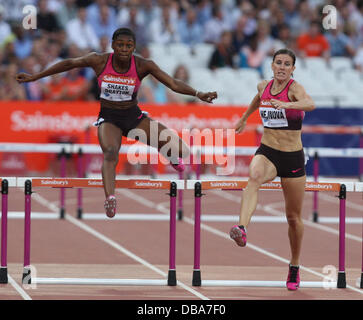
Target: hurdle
[30, 183]
[202, 185]
[359, 188]
[5, 184]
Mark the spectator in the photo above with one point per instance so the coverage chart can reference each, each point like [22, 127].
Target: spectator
[76, 86]
[105, 24]
[284, 39]
[164, 31]
[223, 53]
[251, 56]
[181, 73]
[239, 38]
[10, 90]
[313, 43]
[54, 89]
[23, 44]
[189, 29]
[46, 20]
[300, 23]
[5, 29]
[94, 13]
[358, 59]
[340, 44]
[265, 42]
[215, 26]
[67, 12]
[81, 33]
[131, 17]
[33, 90]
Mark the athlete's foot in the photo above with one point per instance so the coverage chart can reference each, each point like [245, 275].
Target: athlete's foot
[239, 235]
[293, 278]
[110, 206]
[180, 167]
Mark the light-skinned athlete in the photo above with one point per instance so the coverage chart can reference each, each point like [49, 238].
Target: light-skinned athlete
[282, 103]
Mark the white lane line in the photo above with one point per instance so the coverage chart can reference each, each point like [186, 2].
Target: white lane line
[18, 288]
[270, 208]
[224, 235]
[114, 244]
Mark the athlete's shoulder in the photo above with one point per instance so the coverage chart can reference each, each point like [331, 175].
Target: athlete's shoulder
[262, 85]
[94, 58]
[296, 86]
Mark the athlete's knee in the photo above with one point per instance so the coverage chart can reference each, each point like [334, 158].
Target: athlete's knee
[256, 177]
[111, 153]
[294, 219]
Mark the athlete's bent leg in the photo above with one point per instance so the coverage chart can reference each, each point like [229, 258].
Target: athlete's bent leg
[110, 138]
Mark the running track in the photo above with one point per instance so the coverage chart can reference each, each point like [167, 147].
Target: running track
[139, 249]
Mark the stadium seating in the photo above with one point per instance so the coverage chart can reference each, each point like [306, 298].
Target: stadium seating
[330, 84]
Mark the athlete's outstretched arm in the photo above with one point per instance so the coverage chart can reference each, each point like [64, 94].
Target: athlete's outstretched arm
[251, 109]
[303, 101]
[62, 66]
[178, 85]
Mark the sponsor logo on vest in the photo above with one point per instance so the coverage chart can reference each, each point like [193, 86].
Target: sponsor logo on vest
[123, 80]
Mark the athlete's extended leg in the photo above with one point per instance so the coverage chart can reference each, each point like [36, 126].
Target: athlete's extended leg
[110, 138]
[294, 191]
[166, 141]
[261, 170]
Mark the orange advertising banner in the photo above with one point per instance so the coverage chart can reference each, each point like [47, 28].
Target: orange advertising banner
[47, 122]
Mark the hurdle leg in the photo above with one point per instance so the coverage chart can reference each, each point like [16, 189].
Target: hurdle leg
[197, 213]
[180, 198]
[26, 271]
[315, 194]
[341, 283]
[4, 231]
[80, 170]
[172, 235]
[361, 275]
[63, 164]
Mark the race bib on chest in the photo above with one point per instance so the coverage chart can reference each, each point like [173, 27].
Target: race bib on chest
[116, 88]
[273, 118]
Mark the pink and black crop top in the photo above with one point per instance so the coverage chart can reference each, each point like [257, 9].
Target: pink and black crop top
[118, 86]
[284, 119]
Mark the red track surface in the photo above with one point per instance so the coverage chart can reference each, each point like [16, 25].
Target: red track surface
[63, 248]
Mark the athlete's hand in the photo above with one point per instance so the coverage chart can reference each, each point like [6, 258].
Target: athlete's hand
[278, 105]
[240, 126]
[24, 77]
[207, 96]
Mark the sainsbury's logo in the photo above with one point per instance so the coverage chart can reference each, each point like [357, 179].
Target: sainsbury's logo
[118, 79]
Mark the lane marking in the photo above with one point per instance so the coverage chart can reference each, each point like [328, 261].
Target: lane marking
[114, 244]
[270, 209]
[226, 236]
[18, 288]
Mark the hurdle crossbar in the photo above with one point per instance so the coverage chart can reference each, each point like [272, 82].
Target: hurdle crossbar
[6, 182]
[202, 185]
[29, 183]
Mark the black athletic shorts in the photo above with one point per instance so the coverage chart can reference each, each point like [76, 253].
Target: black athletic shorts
[288, 164]
[125, 119]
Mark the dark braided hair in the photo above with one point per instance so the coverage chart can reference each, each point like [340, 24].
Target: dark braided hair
[123, 32]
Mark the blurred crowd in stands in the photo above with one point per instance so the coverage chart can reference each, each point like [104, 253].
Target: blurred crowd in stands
[243, 32]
